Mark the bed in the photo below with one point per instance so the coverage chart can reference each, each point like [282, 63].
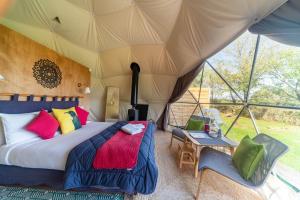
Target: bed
[32, 154]
[53, 162]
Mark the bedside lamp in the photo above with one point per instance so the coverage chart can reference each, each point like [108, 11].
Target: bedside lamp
[2, 78]
[87, 90]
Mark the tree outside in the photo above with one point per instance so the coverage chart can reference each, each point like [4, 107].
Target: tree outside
[275, 82]
[276, 78]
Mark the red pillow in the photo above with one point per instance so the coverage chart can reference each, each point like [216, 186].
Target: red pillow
[44, 125]
[82, 115]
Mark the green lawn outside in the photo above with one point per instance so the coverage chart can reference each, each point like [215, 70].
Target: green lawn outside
[286, 133]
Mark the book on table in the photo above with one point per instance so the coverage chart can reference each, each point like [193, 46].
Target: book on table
[199, 135]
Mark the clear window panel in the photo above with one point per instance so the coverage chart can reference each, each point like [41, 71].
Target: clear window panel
[215, 90]
[283, 125]
[194, 88]
[180, 113]
[275, 82]
[172, 118]
[190, 96]
[276, 79]
[224, 115]
[242, 127]
[234, 62]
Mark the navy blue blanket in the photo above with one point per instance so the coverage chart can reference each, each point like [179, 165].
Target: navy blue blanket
[142, 178]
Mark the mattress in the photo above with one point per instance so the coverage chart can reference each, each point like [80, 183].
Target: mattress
[48, 154]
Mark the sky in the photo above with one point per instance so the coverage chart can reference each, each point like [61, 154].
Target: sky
[249, 40]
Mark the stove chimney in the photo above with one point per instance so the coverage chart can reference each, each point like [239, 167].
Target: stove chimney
[133, 112]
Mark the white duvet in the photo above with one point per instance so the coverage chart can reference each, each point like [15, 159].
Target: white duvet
[48, 154]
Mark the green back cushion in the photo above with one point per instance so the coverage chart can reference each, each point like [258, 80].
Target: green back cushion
[247, 157]
[195, 125]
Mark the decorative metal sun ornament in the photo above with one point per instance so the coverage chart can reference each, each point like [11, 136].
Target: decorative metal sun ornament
[47, 73]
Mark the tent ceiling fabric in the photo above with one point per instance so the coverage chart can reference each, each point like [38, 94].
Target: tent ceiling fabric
[168, 38]
[283, 25]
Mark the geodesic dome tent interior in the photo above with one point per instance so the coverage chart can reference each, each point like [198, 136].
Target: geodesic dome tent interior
[168, 38]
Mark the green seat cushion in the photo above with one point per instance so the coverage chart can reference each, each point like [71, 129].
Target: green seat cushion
[195, 125]
[247, 157]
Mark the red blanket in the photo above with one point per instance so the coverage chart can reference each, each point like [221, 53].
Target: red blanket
[120, 151]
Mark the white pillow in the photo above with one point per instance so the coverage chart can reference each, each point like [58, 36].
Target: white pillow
[2, 138]
[14, 127]
[20, 136]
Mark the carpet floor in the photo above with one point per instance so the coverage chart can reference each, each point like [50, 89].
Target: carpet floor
[21, 193]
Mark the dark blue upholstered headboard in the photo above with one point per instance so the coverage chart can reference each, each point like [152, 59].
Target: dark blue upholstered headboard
[14, 106]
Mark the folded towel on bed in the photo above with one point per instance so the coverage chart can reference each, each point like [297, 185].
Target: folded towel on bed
[133, 129]
[120, 151]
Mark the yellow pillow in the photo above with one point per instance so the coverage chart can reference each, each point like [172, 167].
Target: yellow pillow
[67, 119]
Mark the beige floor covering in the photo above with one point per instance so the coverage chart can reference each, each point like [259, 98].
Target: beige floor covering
[175, 184]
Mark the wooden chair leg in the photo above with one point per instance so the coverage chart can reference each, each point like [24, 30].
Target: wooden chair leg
[196, 167]
[231, 150]
[180, 160]
[171, 141]
[199, 186]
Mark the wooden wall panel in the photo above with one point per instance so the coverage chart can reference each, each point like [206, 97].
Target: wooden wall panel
[17, 57]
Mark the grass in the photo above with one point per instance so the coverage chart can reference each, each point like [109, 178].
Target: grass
[286, 133]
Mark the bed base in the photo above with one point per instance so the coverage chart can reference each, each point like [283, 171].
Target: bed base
[13, 175]
[32, 177]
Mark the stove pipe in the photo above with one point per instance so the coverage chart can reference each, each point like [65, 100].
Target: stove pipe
[133, 113]
[135, 68]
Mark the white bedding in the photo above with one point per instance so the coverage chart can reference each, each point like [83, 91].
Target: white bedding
[48, 154]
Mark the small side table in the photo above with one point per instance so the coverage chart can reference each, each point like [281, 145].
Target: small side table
[207, 141]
